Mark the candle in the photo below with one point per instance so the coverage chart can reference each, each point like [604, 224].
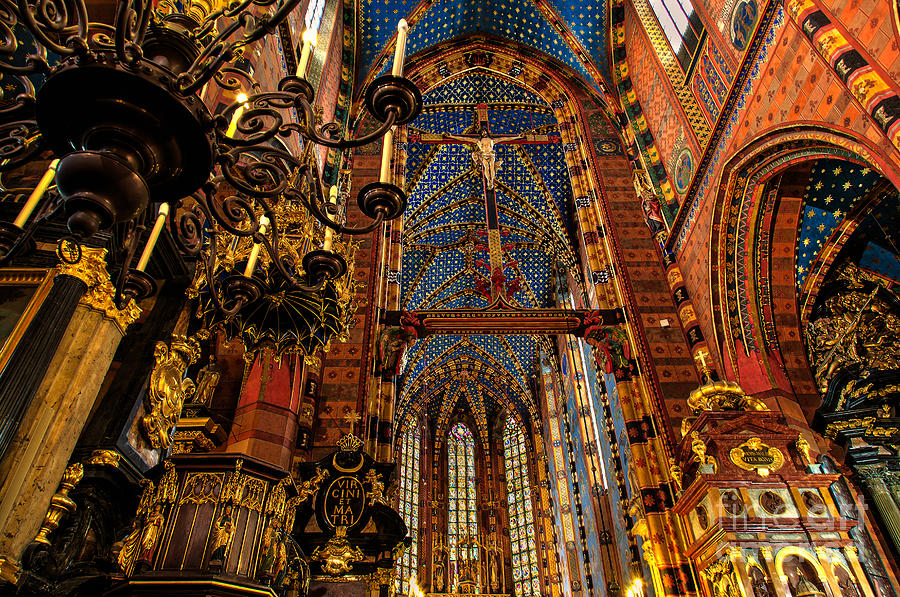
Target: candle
[400, 48]
[37, 194]
[232, 127]
[254, 252]
[309, 40]
[332, 194]
[329, 239]
[387, 151]
[154, 236]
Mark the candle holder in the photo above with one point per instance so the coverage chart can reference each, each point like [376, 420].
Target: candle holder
[124, 112]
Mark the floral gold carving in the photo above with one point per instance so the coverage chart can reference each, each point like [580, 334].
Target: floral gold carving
[168, 389]
[104, 458]
[338, 554]
[100, 295]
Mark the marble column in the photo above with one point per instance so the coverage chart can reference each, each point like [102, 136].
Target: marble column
[72, 369]
[888, 511]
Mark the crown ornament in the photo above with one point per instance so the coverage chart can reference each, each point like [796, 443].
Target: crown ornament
[350, 443]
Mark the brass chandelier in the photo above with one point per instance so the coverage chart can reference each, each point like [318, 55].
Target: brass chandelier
[137, 148]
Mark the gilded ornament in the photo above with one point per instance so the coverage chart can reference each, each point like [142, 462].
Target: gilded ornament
[309, 487]
[338, 554]
[223, 533]
[376, 491]
[804, 448]
[723, 395]
[721, 575]
[676, 473]
[60, 504]
[128, 553]
[858, 327]
[168, 389]
[698, 447]
[100, 294]
[832, 430]
[104, 458]
[753, 455]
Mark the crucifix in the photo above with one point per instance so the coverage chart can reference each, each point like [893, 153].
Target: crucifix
[485, 156]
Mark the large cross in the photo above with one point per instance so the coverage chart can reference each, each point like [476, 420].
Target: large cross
[485, 156]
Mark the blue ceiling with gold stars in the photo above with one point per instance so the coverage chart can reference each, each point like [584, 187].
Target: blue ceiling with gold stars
[451, 259]
[834, 187]
[522, 21]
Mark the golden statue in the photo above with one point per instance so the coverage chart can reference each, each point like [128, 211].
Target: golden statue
[376, 494]
[168, 389]
[803, 448]
[224, 532]
[309, 488]
[698, 446]
[150, 535]
[338, 554]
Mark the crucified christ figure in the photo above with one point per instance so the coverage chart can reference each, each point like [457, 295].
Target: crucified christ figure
[484, 152]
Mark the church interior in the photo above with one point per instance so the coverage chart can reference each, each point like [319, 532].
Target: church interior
[376, 298]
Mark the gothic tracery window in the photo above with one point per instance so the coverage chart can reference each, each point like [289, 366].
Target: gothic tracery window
[682, 27]
[521, 518]
[463, 524]
[410, 451]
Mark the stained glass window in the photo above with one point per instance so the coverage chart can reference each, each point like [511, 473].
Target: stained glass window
[682, 28]
[463, 527]
[410, 451]
[314, 11]
[521, 518]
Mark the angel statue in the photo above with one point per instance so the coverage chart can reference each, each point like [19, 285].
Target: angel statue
[484, 153]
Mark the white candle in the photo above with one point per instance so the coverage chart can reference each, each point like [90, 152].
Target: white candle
[387, 152]
[154, 236]
[36, 194]
[232, 126]
[329, 239]
[400, 48]
[332, 194]
[254, 252]
[309, 41]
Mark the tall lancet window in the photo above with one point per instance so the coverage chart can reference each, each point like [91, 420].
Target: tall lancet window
[521, 518]
[463, 528]
[410, 450]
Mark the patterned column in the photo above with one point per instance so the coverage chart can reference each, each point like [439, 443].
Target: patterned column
[640, 411]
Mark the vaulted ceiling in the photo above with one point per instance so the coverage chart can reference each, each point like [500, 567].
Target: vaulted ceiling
[574, 32]
[447, 260]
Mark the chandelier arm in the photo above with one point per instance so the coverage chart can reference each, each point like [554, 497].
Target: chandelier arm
[279, 265]
[210, 265]
[24, 239]
[185, 228]
[308, 128]
[132, 20]
[312, 205]
[210, 60]
[227, 77]
[254, 112]
[267, 176]
[80, 30]
[131, 237]
[227, 214]
[17, 145]
[203, 69]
